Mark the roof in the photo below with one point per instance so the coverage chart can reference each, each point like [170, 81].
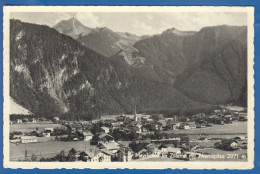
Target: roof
[163, 122]
[87, 134]
[124, 143]
[174, 150]
[28, 137]
[166, 146]
[77, 126]
[115, 124]
[92, 153]
[143, 150]
[103, 135]
[151, 145]
[110, 145]
[228, 141]
[107, 152]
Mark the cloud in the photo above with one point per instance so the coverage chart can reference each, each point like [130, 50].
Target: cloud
[89, 19]
[141, 23]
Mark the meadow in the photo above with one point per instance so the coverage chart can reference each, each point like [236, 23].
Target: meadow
[28, 127]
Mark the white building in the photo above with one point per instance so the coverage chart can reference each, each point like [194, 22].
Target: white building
[28, 139]
[106, 129]
[87, 136]
[19, 121]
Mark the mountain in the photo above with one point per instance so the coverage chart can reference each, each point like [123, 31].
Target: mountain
[72, 27]
[162, 54]
[17, 109]
[107, 42]
[208, 66]
[102, 40]
[52, 73]
[217, 68]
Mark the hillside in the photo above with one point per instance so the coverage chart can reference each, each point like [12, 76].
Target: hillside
[47, 71]
[102, 40]
[17, 109]
[217, 69]
[107, 42]
[52, 73]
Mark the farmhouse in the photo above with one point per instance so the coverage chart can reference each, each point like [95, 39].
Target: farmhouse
[105, 129]
[105, 138]
[124, 155]
[95, 156]
[19, 121]
[28, 139]
[87, 136]
[110, 146]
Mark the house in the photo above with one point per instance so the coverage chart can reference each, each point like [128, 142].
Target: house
[229, 144]
[139, 126]
[49, 129]
[142, 153]
[242, 118]
[121, 118]
[56, 119]
[112, 147]
[124, 154]
[145, 128]
[149, 120]
[193, 126]
[19, 121]
[218, 121]
[115, 125]
[217, 111]
[28, 139]
[47, 133]
[87, 135]
[103, 138]
[240, 138]
[201, 125]
[76, 127]
[174, 150]
[153, 150]
[106, 129]
[184, 126]
[203, 139]
[158, 126]
[25, 120]
[165, 147]
[33, 120]
[94, 156]
[163, 122]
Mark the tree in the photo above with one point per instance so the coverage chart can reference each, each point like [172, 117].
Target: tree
[34, 157]
[71, 155]
[136, 147]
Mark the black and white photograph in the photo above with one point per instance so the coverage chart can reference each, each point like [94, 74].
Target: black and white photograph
[129, 87]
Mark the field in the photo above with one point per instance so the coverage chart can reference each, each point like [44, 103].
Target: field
[28, 127]
[45, 149]
[234, 128]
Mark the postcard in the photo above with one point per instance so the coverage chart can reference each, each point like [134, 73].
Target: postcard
[133, 87]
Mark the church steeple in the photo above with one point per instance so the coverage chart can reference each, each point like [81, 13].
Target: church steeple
[135, 116]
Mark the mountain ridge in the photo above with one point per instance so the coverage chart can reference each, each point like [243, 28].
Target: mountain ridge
[54, 73]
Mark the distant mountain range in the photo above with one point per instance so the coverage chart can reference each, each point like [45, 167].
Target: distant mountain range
[71, 68]
[102, 40]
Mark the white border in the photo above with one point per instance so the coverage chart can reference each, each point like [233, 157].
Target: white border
[131, 165]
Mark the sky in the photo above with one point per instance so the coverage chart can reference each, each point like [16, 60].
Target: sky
[140, 23]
